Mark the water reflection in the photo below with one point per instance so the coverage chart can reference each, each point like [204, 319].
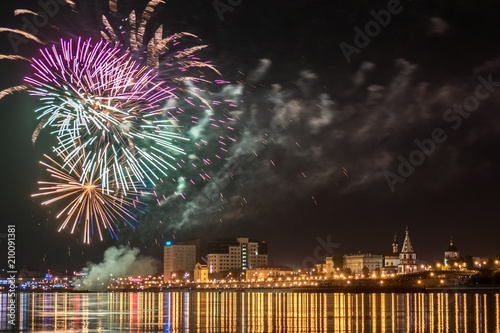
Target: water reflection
[256, 312]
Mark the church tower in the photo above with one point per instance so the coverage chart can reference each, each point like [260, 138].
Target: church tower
[451, 253]
[391, 261]
[407, 257]
[395, 248]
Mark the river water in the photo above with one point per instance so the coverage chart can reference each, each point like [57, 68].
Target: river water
[255, 312]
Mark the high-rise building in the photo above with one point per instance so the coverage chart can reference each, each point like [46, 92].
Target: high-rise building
[196, 242]
[178, 259]
[242, 253]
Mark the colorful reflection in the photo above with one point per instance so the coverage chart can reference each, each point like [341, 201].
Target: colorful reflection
[256, 312]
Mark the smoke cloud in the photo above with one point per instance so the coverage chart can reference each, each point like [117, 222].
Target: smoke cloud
[118, 262]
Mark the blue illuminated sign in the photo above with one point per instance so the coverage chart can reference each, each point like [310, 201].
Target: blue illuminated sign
[168, 243]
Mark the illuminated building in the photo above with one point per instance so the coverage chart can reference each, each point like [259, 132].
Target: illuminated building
[451, 253]
[391, 262]
[329, 265]
[326, 268]
[268, 271]
[200, 273]
[242, 253]
[407, 257]
[479, 262]
[178, 258]
[356, 262]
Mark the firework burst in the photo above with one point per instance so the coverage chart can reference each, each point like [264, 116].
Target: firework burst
[96, 89]
[97, 96]
[91, 202]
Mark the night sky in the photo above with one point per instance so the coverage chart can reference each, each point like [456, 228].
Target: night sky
[337, 128]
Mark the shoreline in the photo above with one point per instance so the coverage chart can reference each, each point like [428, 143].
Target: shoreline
[330, 289]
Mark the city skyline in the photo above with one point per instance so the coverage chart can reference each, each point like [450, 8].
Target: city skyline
[324, 247]
[329, 248]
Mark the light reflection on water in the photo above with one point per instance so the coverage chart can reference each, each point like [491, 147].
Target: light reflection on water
[256, 312]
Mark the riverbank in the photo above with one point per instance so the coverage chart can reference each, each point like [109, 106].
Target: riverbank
[316, 289]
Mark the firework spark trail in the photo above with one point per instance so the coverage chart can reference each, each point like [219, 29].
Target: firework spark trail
[12, 57]
[89, 201]
[36, 132]
[22, 33]
[113, 6]
[146, 15]
[24, 11]
[158, 49]
[12, 90]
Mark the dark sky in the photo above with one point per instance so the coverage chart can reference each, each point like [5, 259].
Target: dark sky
[340, 118]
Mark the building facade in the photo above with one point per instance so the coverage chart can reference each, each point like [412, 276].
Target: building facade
[391, 261]
[239, 254]
[326, 268]
[196, 242]
[451, 253]
[178, 258]
[268, 271]
[479, 262]
[200, 273]
[357, 262]
[407, 257]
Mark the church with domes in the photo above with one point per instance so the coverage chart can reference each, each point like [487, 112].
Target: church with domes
[451, 253]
